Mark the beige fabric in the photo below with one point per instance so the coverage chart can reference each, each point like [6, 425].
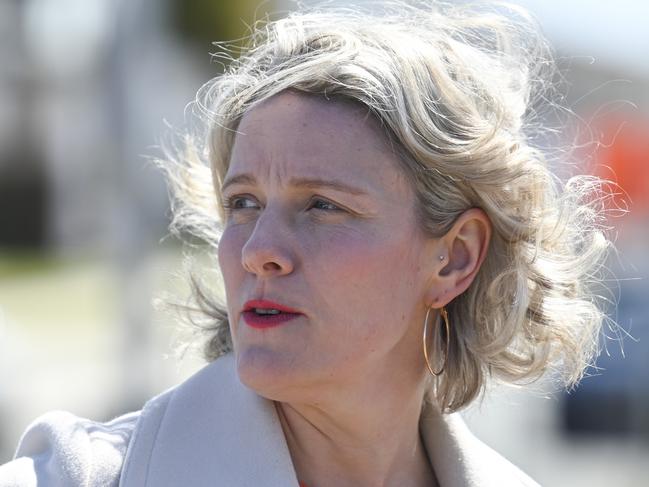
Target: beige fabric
[213, 431]
[61, 449]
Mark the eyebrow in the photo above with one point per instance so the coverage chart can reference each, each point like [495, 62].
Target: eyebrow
[300, 182]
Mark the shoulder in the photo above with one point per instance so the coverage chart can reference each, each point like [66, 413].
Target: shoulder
[484, 465]
[59, 448]
[460, 458]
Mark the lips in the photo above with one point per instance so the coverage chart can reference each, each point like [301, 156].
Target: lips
[266, 304]
[262, 313]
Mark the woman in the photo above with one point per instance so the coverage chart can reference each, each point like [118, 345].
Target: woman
[389, 241]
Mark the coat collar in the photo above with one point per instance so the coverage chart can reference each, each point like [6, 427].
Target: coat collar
[211, 430]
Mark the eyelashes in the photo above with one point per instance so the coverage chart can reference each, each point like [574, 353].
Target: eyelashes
[237, 203]
[234, 203]
[324, 205]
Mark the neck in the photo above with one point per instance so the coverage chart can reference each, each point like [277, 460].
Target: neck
[364, 438]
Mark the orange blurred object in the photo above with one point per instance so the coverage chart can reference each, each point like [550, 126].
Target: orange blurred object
[623, 157]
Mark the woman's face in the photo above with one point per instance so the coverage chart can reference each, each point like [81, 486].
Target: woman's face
[320, 219]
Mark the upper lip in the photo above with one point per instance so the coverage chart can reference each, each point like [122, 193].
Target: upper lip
[267, 304]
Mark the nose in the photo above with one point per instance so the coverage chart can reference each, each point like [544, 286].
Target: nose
[267, 251]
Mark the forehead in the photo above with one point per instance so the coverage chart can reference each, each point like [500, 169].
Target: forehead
[294, 134]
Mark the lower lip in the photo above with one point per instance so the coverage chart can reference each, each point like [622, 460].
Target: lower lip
[267, 321]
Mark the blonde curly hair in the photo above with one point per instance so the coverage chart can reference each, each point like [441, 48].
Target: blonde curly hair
[456, 90]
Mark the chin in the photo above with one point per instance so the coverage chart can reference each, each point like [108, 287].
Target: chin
[269, 373]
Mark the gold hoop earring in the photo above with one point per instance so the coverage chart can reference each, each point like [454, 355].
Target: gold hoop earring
[444, 315]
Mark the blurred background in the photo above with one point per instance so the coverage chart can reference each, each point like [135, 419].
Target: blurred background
[87, 90]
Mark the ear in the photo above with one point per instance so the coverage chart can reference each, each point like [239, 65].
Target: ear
[464, 248]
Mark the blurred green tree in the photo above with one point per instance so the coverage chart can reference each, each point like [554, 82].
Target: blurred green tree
[207, 21]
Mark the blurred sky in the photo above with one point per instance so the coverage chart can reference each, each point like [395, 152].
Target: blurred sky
[613, 32]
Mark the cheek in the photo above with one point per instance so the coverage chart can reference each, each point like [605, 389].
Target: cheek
[353, 257]
[374, 272]
[229, 260]
[229, 257]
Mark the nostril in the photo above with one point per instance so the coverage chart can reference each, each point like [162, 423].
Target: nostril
[272, 266]
[265, 253]
[266, 262]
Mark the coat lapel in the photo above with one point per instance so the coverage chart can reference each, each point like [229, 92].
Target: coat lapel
[213, 432]
[462, 460]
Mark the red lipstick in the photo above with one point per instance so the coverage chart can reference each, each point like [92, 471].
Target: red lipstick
[262, 313]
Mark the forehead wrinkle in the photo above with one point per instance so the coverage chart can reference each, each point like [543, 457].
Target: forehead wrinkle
[291, 134]
[320, 116]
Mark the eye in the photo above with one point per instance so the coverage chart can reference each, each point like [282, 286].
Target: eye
[320, 204]
[239, 202]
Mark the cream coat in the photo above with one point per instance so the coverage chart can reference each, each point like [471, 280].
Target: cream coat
[212, 431]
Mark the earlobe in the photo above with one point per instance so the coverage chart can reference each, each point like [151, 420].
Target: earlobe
[466, 245]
